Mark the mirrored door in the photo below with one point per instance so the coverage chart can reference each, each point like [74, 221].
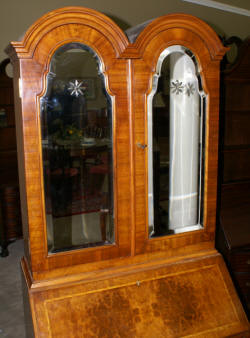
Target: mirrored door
[76, 123]
[176, 115]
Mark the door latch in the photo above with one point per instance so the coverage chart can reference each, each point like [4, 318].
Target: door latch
[142, 146]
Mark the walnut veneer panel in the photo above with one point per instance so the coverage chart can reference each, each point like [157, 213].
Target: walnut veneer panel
[128, 69]
[31, 59]
[158, 300]
[193, 298]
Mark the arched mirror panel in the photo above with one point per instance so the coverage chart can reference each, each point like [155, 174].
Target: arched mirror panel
[76, 129]
[176, 115]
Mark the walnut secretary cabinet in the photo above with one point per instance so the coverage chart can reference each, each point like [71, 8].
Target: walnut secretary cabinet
[117, 149]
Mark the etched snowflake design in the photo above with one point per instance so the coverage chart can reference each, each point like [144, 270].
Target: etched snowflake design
[190, 89]
[177, 87]
[76, 88]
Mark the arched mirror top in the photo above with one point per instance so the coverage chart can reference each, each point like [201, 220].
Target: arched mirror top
[176, 114]
[77, 149]
[192, 68]
[73, 59]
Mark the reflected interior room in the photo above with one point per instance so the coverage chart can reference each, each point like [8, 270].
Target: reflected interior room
[175, 135]
[76, 125]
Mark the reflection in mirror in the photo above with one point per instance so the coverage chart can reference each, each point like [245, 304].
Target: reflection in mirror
[76, 126]
[176, 107]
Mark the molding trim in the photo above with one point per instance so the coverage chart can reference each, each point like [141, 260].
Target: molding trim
[221, 6]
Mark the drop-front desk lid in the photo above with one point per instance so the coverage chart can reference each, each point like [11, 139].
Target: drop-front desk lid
[194, 297]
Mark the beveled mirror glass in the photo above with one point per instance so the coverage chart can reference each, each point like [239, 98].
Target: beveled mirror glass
[76, 128]
[176, 109]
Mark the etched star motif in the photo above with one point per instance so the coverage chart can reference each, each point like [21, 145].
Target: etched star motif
[177, 87]
[76, 88]
[190, 89]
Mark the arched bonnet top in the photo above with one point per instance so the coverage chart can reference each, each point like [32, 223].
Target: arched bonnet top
[141, 35]
[129, 45]
[64, 16]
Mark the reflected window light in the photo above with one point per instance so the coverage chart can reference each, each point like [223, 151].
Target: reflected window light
[176, 108]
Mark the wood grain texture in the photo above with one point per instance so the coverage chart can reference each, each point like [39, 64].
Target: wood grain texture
[193, 298]
[153, 40]
[129, 80]
[172, 286]
[34, 53]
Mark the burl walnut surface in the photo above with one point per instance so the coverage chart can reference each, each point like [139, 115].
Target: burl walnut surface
[185, 299]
